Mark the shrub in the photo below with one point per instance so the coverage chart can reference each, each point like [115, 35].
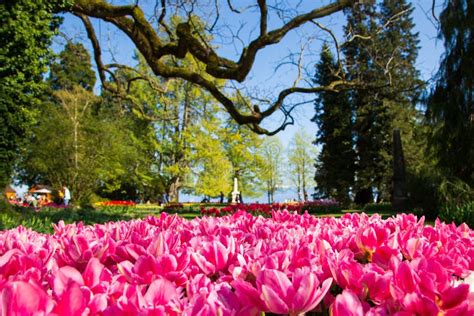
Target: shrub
[457, 202]
[173, 208]
[321, 207]
[378, 208]
[458, 213]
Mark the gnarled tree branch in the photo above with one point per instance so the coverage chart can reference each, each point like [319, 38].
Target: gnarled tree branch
[187, 40]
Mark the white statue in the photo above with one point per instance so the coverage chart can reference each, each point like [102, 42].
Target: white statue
[235, 192]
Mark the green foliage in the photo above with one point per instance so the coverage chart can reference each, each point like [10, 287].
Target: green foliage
[212, 167]
[455, 192]
[423, 192]
[242, 148]
[73, 68]
[378, 208]
[43, 220]
[223, 150]
[73, 146]
[335, 164]
[451, 103]
[313, 208]
[26, 31]
[80, 141]
[458, 213]
[272, 166]
[169, 127]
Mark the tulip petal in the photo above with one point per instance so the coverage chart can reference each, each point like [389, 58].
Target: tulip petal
[347, 304]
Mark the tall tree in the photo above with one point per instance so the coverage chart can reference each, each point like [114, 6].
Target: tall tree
[242, 148]
[173, 113]
[211, 167]
[301, 156]
[271, 172]
[26, 31]
[336, 160]
[92, 149]
[386, 51]
[451, 103]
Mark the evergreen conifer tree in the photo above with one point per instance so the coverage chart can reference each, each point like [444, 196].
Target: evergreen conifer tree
[451, 103]
[335, 162]
[384, 54]
[73, 68]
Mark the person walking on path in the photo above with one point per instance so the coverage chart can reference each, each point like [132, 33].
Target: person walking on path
[67, 196]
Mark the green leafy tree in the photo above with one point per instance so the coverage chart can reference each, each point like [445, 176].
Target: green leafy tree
[451, 103]
[241, 146]
[212, 168]
[26, 31]
[224, 150]
[74, 146]
[271, 173]
[301, 156]
[172, 114]
[335, 164]
[78, 141]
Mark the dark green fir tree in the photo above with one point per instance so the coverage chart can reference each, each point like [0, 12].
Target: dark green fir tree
[451, 103]
[383, 53]
[335, 162]
[73, 67]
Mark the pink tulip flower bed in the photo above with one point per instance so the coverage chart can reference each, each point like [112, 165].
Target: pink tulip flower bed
[240, 265]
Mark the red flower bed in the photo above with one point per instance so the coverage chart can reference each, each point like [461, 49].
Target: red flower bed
[116, 203]
[318, 206]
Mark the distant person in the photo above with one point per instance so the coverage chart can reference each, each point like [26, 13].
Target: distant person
[33, 202]
[67, 196]
[221, 200]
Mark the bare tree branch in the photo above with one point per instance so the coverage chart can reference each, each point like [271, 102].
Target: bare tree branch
[231, 7]
[433, 6]
[263, 17]
[336, 44]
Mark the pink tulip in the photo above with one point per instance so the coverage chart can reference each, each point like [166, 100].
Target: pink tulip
[22, 298]
[346, 304]
[213, 256]
[248, 294]
[161, 292]
[73, 301]
[347, 272]
[240, 265]
[299, 295]
[454, 300]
